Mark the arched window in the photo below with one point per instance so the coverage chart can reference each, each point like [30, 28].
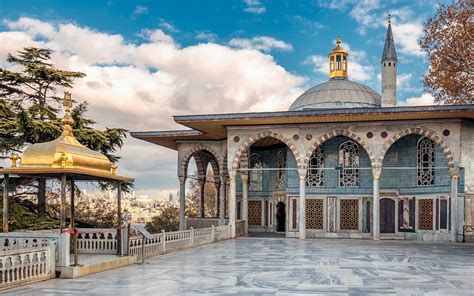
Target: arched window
[280, 173]
[332, 63]
[315, 174]
[256, 177]
[349, 164]
[426, 161]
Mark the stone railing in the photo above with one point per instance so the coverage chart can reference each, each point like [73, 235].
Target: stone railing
[96, 241]
[167, 242]
[27, 265]
[198, 223]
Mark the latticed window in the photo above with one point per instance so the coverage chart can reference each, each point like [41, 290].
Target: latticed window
[426, 161]
[256, 176]
[280, 173]
[349, 214]
[314, 214]
[315, 174]
[349, 164]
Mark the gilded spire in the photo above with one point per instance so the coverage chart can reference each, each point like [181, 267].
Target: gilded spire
[338, 63]
[338, 41]
[67, 118]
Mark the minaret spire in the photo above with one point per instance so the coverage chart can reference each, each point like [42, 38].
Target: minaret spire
[388, 64]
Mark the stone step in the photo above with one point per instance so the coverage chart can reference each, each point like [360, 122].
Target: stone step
[391, 237]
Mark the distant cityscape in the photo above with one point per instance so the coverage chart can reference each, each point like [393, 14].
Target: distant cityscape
[139, 209]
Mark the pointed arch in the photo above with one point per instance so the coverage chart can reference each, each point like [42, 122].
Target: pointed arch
[339, 132]
[200, 152]
[252, 139]
[422, 132]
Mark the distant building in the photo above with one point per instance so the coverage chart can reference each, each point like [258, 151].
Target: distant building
[170, 196]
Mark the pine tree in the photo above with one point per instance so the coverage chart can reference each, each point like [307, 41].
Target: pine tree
[29, 110]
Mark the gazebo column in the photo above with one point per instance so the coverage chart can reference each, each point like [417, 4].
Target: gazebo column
[182, 202]
[217, 203]
[73, 206]
[119, 220]
[232, 203]
[202, 207]
[222, 199]
[302, 218]
[64, 242]
[454, 173]
[245, 199]
[376, 171]
[5, 203]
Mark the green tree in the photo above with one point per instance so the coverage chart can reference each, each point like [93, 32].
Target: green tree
[32, 95]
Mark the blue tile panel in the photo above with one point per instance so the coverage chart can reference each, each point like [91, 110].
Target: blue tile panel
[399, 171]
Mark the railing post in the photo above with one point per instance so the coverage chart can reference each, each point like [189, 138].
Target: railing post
[52, 258]
[64, 249]
[191, 236]
[212, 233]
[163, 242]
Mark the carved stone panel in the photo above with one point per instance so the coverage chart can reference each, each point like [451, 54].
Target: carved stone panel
[331, 213]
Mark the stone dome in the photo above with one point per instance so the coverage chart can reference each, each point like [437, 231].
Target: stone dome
[337, 93]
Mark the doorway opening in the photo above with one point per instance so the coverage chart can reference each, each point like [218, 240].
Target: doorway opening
[387, 215]
[281, 217]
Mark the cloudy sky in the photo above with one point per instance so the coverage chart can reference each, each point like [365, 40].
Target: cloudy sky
[148, 60]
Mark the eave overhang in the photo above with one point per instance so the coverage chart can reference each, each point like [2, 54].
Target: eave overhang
[214, 126]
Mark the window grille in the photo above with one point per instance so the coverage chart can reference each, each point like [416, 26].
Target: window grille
[349, 214]
[315, 174]
[256, 177]
[426, 161]
[349, 164]
[255, 212]
[314, 214]
[425, 214]
[280, 174]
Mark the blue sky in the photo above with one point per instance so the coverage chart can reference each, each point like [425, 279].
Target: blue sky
[148, 60]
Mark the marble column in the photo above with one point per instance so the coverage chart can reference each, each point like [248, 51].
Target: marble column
[302, 218]
[216, 204]
[222, 199]
[182, 202]
[5, 203]
[376, 171]
[454, 173]
[119, 220]
[232, 205]
[202, 207]
[245, 200]
[62, 213]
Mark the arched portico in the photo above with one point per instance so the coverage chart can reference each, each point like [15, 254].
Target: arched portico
[203, 155]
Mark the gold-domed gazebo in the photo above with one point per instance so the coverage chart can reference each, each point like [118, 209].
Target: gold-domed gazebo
[66, 159]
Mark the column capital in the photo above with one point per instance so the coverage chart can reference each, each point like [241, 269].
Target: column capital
[232, 174]
[454, 172]
[376, 172]
[302, 173]
[244, 177]
[202, 181]
[223, 178]
[182, 179]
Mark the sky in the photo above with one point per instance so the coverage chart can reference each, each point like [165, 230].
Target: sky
[148, 60]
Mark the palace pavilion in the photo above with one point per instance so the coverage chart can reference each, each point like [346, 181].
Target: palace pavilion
[342, 162]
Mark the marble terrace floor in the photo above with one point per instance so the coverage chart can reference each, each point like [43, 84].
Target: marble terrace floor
[286, 267]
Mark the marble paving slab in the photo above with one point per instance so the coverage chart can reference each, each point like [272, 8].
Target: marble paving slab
[259, 266]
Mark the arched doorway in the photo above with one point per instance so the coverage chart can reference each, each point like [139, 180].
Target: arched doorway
[387, 215]
[281, 217]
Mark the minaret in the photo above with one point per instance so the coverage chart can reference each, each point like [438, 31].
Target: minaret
[389, 70]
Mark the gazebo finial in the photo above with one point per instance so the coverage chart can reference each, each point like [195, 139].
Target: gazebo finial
[67, 118]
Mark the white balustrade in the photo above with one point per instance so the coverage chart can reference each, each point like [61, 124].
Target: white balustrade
[27, 265]
[97, 241]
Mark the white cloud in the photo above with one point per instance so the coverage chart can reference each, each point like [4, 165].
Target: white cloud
[359, 67]
[372, 14]
[206, 36]
[262, 43]
[254, 6]
[168, 26]
[140, 86]
[424, 100]
[139, 9]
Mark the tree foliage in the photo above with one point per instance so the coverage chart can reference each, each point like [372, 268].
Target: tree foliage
[449, 43]
[30, 110]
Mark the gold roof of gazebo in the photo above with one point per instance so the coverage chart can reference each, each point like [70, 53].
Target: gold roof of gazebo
[65, 155]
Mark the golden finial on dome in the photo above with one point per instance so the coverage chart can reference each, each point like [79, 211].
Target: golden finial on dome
[338, 63]
[13, 158]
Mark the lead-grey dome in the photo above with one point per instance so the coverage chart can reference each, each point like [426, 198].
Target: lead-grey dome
[337, 93]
